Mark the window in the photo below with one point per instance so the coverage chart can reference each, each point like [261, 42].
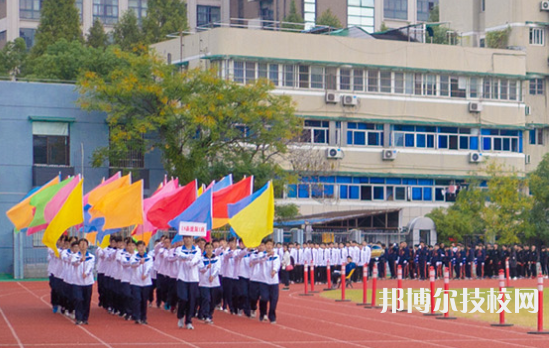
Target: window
[474, 88]
[482, 5]
[373, 80]
[361, 13]
[536, 136]
[385, 79]
[358, 80]
[501, 140]
[399, 83]
[289, 76]
[106, 11]
[537, 86]
[537, 36]
[453, 138]
[239, 72]
[50, 143]
[206, 16]
[29, 9]
[414, 136]
[444, 85]
[364, 134]
[309, 13]
[80, 7]
[303, 76]
[458, 87]
[3, 11]
[315, 132]
[250, 72]
[424, 8]
[317, 77]
[331, 78]
[27, 34]
[345, 79]
[430, 85]
[395, 9]
[140, 8]
[2, 37]
[268, 71]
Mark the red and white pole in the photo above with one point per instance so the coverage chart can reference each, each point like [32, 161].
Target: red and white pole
[399, 277]
[328, 275]
[312, 275]
[343, 284]
[502, 295]
[374, 288]
[540, 308]
[446, 296]
[432, 283]
[507, 273]
[364, 286]
[305, 280]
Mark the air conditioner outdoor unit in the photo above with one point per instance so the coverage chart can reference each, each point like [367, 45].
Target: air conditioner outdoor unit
[475, 157]
[475, 107]
[545, 5]
[331, 98]
[334, 153]
[389, 154]
[349, 100]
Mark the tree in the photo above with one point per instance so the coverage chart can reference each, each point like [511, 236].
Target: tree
[293, 18]
[13, 58]
[539, 216]
[286, 212]
[164, 17]
[507, 215]
[498, 38]
[126, 32]
[438, 33]
[329, 19]
[66, 61]
[97, 38]
[205, 126]
[59, 19]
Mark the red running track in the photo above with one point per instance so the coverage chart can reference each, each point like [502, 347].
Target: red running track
[26, 320]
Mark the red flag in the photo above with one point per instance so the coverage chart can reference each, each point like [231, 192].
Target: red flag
[229, 195]
[171, 206]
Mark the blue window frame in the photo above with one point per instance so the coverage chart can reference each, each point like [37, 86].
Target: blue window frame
[362, 134]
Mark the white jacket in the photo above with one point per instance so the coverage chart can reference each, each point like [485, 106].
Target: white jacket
[189, 260]
[83, 271]
[206, 273]
[138, 270]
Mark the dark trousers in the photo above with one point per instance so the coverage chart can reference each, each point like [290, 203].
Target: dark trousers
[140, 296]
[422, 269]
[151, 292]
[284, 277]
[55, 298]
[298, 274]
[171, 291]
[68, 296]
[268, 295]
[161, 289]
[82, 297]
[126, 298]
[101, 288]
[208, 298]
[322, 274]
[357, 274]
[187, 293]
[229, 292]
[254, 295]
[243, 295]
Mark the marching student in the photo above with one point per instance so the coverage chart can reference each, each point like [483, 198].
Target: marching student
[172, 268]
[152, 255]
[230, 276]
[125, 277]
[140, 282]
[54, 267]
[209, 286]
[268, 287]
[68, 277]
[242, 295]
[256, 274]
[83, 263]
[187, 281]
[109, 255]
[298, 270]
[285, 269]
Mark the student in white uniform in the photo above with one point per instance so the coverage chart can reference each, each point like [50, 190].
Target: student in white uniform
[256, 273]
[68, 277]
[230, 275]
[53, 269]
[187, 281]
[209, 286]
[125, 277]
[243, 283]
[83, 263]
[140, 282]
[268, 286]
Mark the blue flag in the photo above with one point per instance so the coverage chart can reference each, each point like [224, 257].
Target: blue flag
[225, 182]
[199, 211]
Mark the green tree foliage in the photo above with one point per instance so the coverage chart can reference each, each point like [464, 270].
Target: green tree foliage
[65, 60]
[329, 19]
[59, 19]
[507, 215]
[126, 32]
[13, 58]
[293, 17]
[438, 34]
[164, 17]
[539, 216]
[498, 39]
[204, 126]
[97, 38]
[463, 219]
[286, 211]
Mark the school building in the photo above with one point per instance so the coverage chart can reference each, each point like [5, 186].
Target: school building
[392, 128]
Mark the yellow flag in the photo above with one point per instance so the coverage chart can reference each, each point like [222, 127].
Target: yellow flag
[122, 207]
[22, 213]
[105, 242]
[200, 191]
[70, 214]
[91, 237]
[100, 192]
[255, 221]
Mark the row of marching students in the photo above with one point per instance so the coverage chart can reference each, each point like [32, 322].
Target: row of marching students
[193, 279]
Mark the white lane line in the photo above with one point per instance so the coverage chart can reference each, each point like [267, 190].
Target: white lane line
[11, 329]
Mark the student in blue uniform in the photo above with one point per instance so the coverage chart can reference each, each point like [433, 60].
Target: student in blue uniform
[83, 263]
[140, 282]
[268, 287]
[209, 286]
[189, 257]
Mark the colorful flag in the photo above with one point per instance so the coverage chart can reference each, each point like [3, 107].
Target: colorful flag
[22, 213]
[229, 195]
[166, 190]
[115, 177]
[254, 221]
[103, 189]
[122, 207]
[145, 237]
[225, 182]
[69, 215]
[172, 205]
[91, 237]
[39, 202]
[199, 211]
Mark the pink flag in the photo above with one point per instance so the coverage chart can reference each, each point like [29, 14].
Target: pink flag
[166, 190]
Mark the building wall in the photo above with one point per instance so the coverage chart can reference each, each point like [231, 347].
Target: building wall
[88, 131]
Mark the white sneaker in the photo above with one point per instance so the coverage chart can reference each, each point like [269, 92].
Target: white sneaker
[273, 322]
[190, 327]
[252, 314]
[208, 321]
[180, 323]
